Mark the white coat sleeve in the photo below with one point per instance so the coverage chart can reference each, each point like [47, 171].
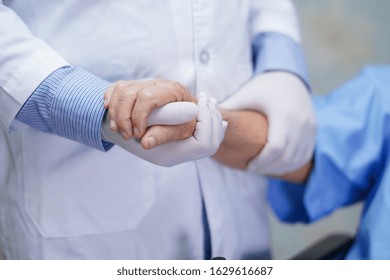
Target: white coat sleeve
[277, 16]
[25, 61]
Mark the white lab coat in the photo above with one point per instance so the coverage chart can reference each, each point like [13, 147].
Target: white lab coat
[61, 199]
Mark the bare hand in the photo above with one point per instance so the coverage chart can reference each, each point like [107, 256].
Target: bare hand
[204, 142]
[131, 102]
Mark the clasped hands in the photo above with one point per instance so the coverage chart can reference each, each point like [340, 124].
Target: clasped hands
[138, 121]
[271, 124]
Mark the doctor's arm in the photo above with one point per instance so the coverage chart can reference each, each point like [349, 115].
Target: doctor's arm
[25, 61]
[39, 88]
[278, 90]
[245, 137]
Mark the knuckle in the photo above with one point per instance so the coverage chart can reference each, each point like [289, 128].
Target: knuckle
[165, 135]
[148, 97]
[122, 83]
[117, 86]
[112, 112]
[177, 85]
[179, 90]
[121, 124]
[146, 93]
[126, 94]
[123, 119]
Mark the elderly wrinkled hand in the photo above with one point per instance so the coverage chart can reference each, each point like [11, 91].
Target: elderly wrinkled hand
[130, 104]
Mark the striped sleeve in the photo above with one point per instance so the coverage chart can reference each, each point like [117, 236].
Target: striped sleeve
[68, 103]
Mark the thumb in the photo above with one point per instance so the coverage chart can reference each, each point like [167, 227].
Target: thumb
[161, 134]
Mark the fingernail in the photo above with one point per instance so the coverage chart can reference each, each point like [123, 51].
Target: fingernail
[112, 124]
[151, 141]
[136, 132]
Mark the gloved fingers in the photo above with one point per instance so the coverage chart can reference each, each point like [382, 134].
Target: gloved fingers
[161, 134]
[292, 152]
[161, 155]
[154, 96]
[168, 154]
[264, 162]
[285, 162]
[272, 150]
[218, 130]
[204, 126]
[300, 134]
[304, 149]
[295, 156]
[173, 113]
[278, 158]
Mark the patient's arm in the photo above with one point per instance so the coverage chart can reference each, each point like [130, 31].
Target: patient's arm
[245, 137]
[300, 175]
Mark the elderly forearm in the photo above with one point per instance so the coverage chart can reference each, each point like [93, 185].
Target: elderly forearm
[245, 137]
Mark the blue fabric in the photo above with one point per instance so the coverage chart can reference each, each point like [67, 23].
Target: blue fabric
[68, 103]
[350, 163]
[277, 52]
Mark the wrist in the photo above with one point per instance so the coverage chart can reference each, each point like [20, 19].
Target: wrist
[300, 175]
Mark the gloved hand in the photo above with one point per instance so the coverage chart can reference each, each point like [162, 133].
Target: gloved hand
[173, 113]
[285, 101]
[209, 132]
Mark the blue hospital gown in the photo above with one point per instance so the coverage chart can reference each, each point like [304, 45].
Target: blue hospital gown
[351, 163]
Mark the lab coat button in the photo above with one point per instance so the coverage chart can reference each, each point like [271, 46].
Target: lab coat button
[204, 57]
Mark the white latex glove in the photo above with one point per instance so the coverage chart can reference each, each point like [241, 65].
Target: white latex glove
[208, 135]
[173, 113]
[284, 99]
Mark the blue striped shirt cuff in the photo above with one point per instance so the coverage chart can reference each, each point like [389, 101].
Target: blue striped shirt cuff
[277, 52]
[69, 103]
